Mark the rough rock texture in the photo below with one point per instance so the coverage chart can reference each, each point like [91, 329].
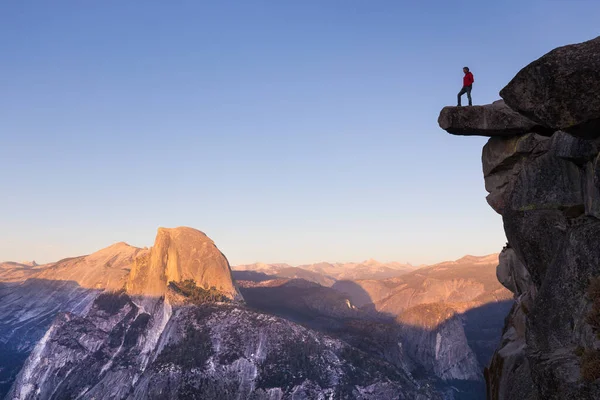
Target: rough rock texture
[548, 193]
[205, 351]
[561, 89]
[494, 119]
[547, 207]
[179, 254]
[502, 161]
[509, 375]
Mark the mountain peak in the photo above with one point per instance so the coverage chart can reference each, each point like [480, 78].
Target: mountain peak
[371, 261]
[180, 254]
[478, 259]
[183, 230]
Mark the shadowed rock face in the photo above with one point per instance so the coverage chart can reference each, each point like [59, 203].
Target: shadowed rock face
[178, 350]
[494, 119]
[503, 159]
[561, 89]
[434, 336]
[548, 193]
[180, 254]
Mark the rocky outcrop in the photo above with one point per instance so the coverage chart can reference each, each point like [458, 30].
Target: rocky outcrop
[180, 254]
[548, 193]
[494, 119]
[560, 89]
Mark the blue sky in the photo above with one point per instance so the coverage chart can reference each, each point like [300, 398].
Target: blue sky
[288, 131]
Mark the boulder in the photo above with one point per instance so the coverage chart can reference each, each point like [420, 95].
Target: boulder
[494, 119]
[561, 90]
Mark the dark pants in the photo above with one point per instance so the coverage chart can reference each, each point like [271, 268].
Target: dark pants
[467, 90]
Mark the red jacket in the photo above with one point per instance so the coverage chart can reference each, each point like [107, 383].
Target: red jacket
[468, 79]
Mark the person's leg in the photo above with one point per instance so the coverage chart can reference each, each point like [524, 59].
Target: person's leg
[462, 91]
[469, 95]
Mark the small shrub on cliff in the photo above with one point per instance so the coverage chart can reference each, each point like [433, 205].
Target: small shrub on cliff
[112, 302]
[198, 295]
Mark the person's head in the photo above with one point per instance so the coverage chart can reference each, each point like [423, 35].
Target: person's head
[465, 69]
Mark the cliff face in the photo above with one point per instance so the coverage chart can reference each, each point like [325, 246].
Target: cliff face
[433, 336]
[201, 351]
[180, 254]
[546, 185]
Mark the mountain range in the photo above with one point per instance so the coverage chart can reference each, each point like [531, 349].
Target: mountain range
[327, 274]
[173, 321]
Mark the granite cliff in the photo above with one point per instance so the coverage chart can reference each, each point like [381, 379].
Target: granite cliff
[170, 323]
[541, 167]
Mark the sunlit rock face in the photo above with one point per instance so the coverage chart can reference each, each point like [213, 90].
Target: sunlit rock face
[180, 254]
[547, 191]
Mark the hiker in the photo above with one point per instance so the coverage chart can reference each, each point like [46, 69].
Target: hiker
[467, 86]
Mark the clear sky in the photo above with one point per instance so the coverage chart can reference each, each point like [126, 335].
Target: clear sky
[288, 131]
